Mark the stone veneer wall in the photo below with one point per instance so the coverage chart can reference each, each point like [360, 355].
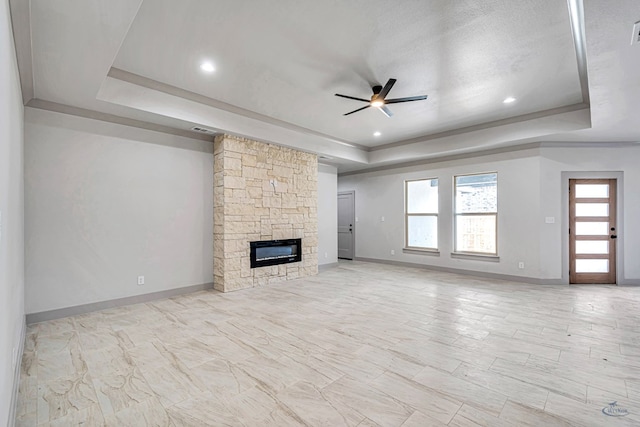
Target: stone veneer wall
[248, 207]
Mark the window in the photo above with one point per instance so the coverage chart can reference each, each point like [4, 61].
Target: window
[476, 213]
[421, 214]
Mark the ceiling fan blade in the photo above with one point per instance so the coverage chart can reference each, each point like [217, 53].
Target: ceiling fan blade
[355, 111]
[353, 97]
[385, 90]
[407, 99]
[385, 111]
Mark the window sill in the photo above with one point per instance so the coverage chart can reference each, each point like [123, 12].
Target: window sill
[416, 251]
[476, 257]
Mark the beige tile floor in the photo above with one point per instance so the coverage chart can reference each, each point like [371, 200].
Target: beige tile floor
[359, 345]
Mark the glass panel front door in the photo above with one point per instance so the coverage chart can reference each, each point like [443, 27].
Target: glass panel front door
[592, 231]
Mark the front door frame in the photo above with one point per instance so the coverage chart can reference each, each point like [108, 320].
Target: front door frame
[619, 176]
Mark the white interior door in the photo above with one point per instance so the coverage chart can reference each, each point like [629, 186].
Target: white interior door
[346, 224]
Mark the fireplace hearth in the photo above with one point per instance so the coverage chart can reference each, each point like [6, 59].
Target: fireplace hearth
[274, 252]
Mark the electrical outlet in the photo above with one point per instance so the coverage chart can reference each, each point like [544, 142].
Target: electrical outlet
[326, 255]
[382, 218]
[393, 252]
[356, 219]
[521, 265]
[140, 280]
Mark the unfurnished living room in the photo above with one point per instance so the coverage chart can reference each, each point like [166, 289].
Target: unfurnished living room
[319, 213]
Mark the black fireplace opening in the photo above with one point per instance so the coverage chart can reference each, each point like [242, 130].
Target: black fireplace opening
[274, 252]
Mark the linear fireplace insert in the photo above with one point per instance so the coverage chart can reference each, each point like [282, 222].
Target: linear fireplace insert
[274, 252]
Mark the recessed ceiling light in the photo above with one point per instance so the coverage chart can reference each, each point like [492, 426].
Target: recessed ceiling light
[207, 67]
[509, 100]
[376, 133]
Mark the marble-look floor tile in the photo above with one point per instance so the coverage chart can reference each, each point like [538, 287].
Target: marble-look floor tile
[353, 395]
[119, 390]
[522, 415]
[461, 390]
[518, 391]
[147, 413]
[436, 405]
[419, 419]
[418, 352]
[255, 405]
[586, 414]
[63, 398]
[27, 420]
[633, 389]
[389, 361]
[517, 346]
[27, 397]
[468, 416]
[368, 423]
[173, 384]
[541, 378]
[222, 377]
[108, 360]
[360, 344]
[580, 370]
[483, 347]
[350, 364]
[306, 401]
[203, 410]
[280, 418]
[89, 416]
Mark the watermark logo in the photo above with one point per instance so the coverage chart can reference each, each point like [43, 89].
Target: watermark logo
[613, 410]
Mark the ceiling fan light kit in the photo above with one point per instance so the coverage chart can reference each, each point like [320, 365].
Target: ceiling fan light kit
[378, 99]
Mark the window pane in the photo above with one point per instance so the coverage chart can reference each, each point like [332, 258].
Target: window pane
[592, 209]
[592, 190]
[592, 266]
[422, 196]
[592, 247]
[422, 231]
[592, 228]
[476, 233]
[477, 193]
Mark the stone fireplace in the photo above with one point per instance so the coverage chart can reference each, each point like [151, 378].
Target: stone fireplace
[261, 192]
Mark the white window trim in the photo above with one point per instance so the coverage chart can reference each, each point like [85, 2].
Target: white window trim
[473, 254]
[418, 249]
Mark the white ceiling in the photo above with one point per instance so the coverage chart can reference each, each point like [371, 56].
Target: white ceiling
[278, 65]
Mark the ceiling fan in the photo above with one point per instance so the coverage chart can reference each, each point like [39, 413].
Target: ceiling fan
[378, 99]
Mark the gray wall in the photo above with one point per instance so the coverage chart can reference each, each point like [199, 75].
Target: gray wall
[327, 214]
[105, 203]
[11, 215]
[530, 188]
